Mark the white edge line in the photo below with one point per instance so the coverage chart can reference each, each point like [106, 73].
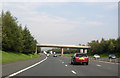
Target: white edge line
[26, 68]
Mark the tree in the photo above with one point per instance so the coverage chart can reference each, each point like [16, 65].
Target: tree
[20, 39]
[29, 42]
[105, 46]
[94, 46]
[10, 33]
[118, 45]
[102, 46]
[110, 47]
[0, 32]
[14, 38]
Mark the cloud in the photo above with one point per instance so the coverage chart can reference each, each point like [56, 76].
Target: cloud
[100, 16]
[111, 6]
[43, 19]
[94, 23]
[45, 26]
[48, 28]
[50, 20]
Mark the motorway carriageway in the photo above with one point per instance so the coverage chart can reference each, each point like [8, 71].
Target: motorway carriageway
[61, 66]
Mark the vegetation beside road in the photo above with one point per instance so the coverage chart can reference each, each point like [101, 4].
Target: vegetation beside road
[105, 47]
[102, 48]
[8, 57]
[17, 42]
[14, 37]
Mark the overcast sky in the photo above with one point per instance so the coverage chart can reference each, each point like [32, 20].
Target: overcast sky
[69, 23]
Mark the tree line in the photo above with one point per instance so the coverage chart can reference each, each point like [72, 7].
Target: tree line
[111, 46]
[14, 37]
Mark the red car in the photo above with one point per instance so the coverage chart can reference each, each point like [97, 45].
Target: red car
[79, 58]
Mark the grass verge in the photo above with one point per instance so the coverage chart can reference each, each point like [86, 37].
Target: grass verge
[70, 54]
[8, 57]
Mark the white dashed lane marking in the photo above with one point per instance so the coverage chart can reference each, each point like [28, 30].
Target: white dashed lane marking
[73, 72]
[66, 65]
[98, 65]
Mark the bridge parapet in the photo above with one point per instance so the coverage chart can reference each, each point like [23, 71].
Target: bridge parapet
[63, 46]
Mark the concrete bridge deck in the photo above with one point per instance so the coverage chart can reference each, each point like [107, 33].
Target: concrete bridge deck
[84, 48]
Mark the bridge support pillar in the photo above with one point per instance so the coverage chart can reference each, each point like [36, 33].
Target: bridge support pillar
[85, 50]
[61, 51]
[81, 50]
[36, 50]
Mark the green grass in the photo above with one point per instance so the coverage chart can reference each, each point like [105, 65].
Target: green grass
[106, 55]
[8, 57]
[69, 54]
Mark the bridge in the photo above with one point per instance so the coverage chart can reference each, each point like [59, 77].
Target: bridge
[82, 48]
